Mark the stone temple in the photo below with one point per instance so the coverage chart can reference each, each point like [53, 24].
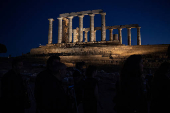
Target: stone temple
[73, 47]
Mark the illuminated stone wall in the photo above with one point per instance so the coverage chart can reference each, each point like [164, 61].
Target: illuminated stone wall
[106, 54]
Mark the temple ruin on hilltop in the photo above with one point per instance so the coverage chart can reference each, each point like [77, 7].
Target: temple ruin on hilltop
[65, 30]
[79, 48]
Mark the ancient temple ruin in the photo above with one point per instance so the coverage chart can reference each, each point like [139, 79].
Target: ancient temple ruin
[79, 48]
[65, 30]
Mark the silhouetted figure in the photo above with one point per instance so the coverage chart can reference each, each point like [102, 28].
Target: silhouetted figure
[14, 92]
[148, 79]
[90, 91]
[78, 77]
[161, 89]
[49, 92]
[130, 95]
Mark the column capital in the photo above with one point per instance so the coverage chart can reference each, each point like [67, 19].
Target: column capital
[60, 18]
[80, 15]
[120, 28]
[86, 31]
[70, 16]
[91, 14]
[138, 27]
[103, 13]
[129, 28]
[51, 19]
[111, 29]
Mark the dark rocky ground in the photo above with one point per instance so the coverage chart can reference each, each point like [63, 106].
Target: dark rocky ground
[106, 84]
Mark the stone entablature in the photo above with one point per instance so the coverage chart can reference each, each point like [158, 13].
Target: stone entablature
[98, 11]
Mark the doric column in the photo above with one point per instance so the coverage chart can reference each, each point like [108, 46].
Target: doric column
[91, 27]
[115, 36]
[111, 34]
[138, 36]
[74, 35]
[50, 30]
[60, 29]
[94, 35]
[70, 29]
[103, 32]
[120, 35]
[81, 28]
[85, 36]
[129, 35]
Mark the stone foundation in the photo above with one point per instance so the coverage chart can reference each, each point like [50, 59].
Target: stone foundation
[153, 55]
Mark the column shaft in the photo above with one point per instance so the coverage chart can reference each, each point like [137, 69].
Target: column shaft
[81, 28]
[91, 27]
[111, 34]
[59, 30]
[94, 35]
[129, 36]
[70, 29]
[74, 35]
[103, 32]
[138, 36]
[50, 31]
[85, 36]
[120, 35]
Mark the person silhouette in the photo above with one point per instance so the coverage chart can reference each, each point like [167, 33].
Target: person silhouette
[78, 77]
[160, 89]
[14, 91]
[130, 97]
[49, 93]
[90, 91]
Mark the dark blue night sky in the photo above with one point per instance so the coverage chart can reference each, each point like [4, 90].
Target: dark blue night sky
[24, 23]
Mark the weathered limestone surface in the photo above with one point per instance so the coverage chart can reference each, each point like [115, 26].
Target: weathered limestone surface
[50, 30]
[138, 36]
[113, 49]
[129, 36]
[81, 13]
[74, 35]
[86, 36]
[94, 35]
[81, 28]
[70, 28]
[120, 35]
[65, 30]
[109, 54]
[59, 30]
[111, 34]
[114, 27]
[103, 32]
[115, 36]
[91, 27]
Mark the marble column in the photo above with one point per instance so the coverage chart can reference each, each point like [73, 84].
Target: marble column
[81, 28]
[103, 32]
[129, 35]
[120, 35]
[50, 30]
[115, 37]
[91, 27]
[111, 34]
[138, 36]
[60, 29]
[86, 36]
[70, 29]
[94, 35]
[74, 35]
